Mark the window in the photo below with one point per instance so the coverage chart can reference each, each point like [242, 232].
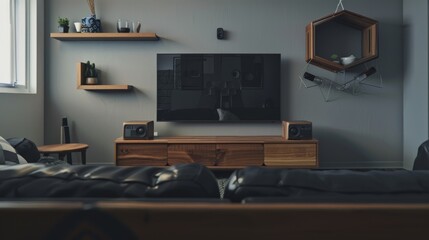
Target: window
[15, 43]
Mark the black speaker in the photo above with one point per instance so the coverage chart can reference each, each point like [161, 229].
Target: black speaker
[138, 130]
[297, 130]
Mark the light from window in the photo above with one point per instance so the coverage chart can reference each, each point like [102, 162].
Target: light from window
[6, 43]
[13, 43]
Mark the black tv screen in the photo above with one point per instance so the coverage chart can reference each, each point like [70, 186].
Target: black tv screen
[218, 87]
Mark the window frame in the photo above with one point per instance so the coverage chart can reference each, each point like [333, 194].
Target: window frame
[32, 23]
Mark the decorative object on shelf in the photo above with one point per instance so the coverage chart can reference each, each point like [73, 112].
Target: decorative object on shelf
[123, 26]
[343, 43]
[91, 75]
[84, 29]
[63, 25]
[136, 27]
[91, 23]
[348, 60]
[334, 58]
[78, 26]
[81, 81]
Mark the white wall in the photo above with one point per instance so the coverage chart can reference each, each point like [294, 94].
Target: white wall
[416, 102]
[354, 131]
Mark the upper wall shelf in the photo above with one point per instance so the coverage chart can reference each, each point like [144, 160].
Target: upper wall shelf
[144, 36]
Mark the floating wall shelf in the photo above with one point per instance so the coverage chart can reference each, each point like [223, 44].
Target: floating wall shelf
[342, 33]
[96, 87]
[145, 36]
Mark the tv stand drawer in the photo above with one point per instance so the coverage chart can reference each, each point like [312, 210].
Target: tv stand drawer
[141, 154]
[218, 152]
[204, 154]
[291, 155]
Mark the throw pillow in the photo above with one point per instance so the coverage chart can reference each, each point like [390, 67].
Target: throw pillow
[26, 148]
[8, 155]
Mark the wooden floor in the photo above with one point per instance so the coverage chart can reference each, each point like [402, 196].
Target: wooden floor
[146, 220]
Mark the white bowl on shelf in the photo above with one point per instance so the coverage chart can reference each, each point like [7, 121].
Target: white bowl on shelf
[348, 60]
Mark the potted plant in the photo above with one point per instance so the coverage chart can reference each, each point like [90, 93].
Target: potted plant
[63, 25]
[91, 75]
[335, 58]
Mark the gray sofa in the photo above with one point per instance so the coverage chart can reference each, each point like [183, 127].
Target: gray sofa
[108, 202]
[40, 181]
[257, 184]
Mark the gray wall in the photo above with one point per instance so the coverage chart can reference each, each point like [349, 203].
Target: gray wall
[363, 130]
[415, 77]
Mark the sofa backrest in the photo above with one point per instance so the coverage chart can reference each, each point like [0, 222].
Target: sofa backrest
[327, 185]
[83, 181]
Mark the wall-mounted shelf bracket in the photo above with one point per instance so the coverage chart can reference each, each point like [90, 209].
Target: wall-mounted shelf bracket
[350, 81]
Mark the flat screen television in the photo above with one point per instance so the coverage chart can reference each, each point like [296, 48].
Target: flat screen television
[218, 87]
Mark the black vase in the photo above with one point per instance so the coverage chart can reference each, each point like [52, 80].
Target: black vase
[63, 29]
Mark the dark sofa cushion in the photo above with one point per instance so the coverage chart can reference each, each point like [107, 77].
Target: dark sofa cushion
[257, 182]
[26, 148]
[82, 181]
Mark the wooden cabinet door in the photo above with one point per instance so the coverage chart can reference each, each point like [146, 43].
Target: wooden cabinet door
[242, 154]
[141, 154]
[291, 155]
[192, 153]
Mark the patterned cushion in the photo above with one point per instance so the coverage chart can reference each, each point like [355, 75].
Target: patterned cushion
[8, 155]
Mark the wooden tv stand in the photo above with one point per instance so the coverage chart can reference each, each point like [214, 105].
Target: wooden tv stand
[218, 152]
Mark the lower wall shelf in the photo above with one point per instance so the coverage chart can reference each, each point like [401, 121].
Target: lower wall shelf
[105, 87]
[96, 87]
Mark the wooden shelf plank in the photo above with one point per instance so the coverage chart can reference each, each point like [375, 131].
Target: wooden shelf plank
[218, 140]
[144, 36]
[105, 87]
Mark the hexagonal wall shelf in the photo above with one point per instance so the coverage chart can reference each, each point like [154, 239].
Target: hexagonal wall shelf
[343, 34]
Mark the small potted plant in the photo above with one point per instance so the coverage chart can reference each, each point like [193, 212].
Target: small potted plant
[91, 75]
[63, 25]
[335, 58]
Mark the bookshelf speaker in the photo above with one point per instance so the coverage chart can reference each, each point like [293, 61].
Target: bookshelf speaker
[297, 130]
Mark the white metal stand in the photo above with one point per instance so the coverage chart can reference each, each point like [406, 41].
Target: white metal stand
[340, 4]
[344, 81]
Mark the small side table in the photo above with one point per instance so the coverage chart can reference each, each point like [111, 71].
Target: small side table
[63, 149]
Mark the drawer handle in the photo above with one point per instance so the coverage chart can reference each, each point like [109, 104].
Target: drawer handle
[125, 151]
